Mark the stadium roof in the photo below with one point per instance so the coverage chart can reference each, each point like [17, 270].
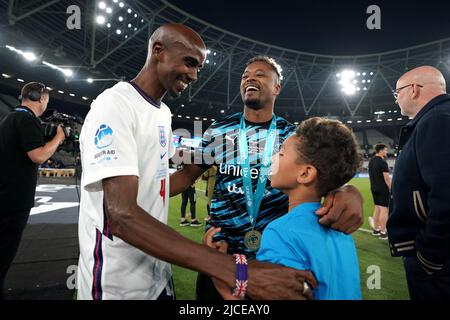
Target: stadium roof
[99, 51]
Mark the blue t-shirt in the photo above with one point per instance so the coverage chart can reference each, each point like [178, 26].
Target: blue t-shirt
[228, 208]
[297, 240]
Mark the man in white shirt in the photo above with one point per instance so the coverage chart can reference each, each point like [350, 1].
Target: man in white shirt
[125, 146]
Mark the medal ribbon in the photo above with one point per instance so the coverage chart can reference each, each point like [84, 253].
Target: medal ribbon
[253, 200]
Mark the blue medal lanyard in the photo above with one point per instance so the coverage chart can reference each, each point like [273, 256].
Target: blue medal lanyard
[253, 200]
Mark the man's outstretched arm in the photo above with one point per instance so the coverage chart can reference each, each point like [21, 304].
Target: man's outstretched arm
[342, 209]
[136, 227]
[182, 179]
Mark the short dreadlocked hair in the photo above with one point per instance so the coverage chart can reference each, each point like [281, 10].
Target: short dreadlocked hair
[271, 62]
[331, 147]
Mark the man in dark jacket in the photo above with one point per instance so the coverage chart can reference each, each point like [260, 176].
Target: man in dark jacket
[22, 150]
[419, 210]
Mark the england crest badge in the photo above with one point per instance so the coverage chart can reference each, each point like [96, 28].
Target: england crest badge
[162, 136]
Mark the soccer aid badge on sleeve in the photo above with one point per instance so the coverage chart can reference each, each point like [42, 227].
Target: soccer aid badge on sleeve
[103, 140]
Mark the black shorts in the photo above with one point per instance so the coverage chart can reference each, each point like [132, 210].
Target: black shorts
[381, 198]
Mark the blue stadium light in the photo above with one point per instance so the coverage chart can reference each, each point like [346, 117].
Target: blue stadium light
[102, 5]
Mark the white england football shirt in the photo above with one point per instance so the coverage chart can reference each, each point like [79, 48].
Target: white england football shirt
[124, 133]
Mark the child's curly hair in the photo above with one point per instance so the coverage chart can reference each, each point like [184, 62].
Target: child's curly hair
[331, 147]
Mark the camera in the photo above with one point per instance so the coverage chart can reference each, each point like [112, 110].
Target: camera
[70, 125]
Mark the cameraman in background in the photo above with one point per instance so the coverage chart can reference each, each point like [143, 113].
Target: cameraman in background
[22, 150]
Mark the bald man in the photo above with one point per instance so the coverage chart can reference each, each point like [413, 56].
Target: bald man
[419, 210]
[125, 245]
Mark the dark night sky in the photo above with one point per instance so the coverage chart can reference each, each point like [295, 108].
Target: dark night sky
[327, 27]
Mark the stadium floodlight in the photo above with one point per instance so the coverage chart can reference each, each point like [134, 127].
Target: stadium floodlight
[338, 75]
[60, 91]
[197, 118]
[368, 121]
[188, 117]
[108, 25]
[102, 5]
[71, 94]
[389, 119]
[208, 51]
[7, 76]
[85, 98]
[129, 10]
[379, 120]
[120, 18]
[349, 121]
[347, 82]
[115, 1]
[182, 105]
[20, 80]
[215, 53]
[121, 4]
[126, 36]
[364, 74]
[129, 25]
[379, 112]
[399, 119]
[30, 56]
[90, 80]
[108, 10]
[213, 120]
[359, 121]
[135, 15]
[222, 111]
[101, 20]
[207, 61]
[67, 72]
[205, 119]
[180, 116]
[118, 31]
[49, 88]
[371, 73]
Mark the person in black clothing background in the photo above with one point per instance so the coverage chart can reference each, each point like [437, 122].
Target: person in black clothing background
[380, 185]
[22, 150]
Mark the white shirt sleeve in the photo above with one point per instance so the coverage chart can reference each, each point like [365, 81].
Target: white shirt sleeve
[108, 142]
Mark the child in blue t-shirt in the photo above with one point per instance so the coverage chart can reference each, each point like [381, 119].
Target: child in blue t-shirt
[320, 157]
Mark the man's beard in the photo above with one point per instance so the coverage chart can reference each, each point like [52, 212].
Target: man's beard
[254, 104]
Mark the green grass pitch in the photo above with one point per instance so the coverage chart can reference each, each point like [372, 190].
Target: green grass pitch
[371, 251]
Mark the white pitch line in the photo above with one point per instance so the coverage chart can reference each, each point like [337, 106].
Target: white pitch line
[365, 230]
